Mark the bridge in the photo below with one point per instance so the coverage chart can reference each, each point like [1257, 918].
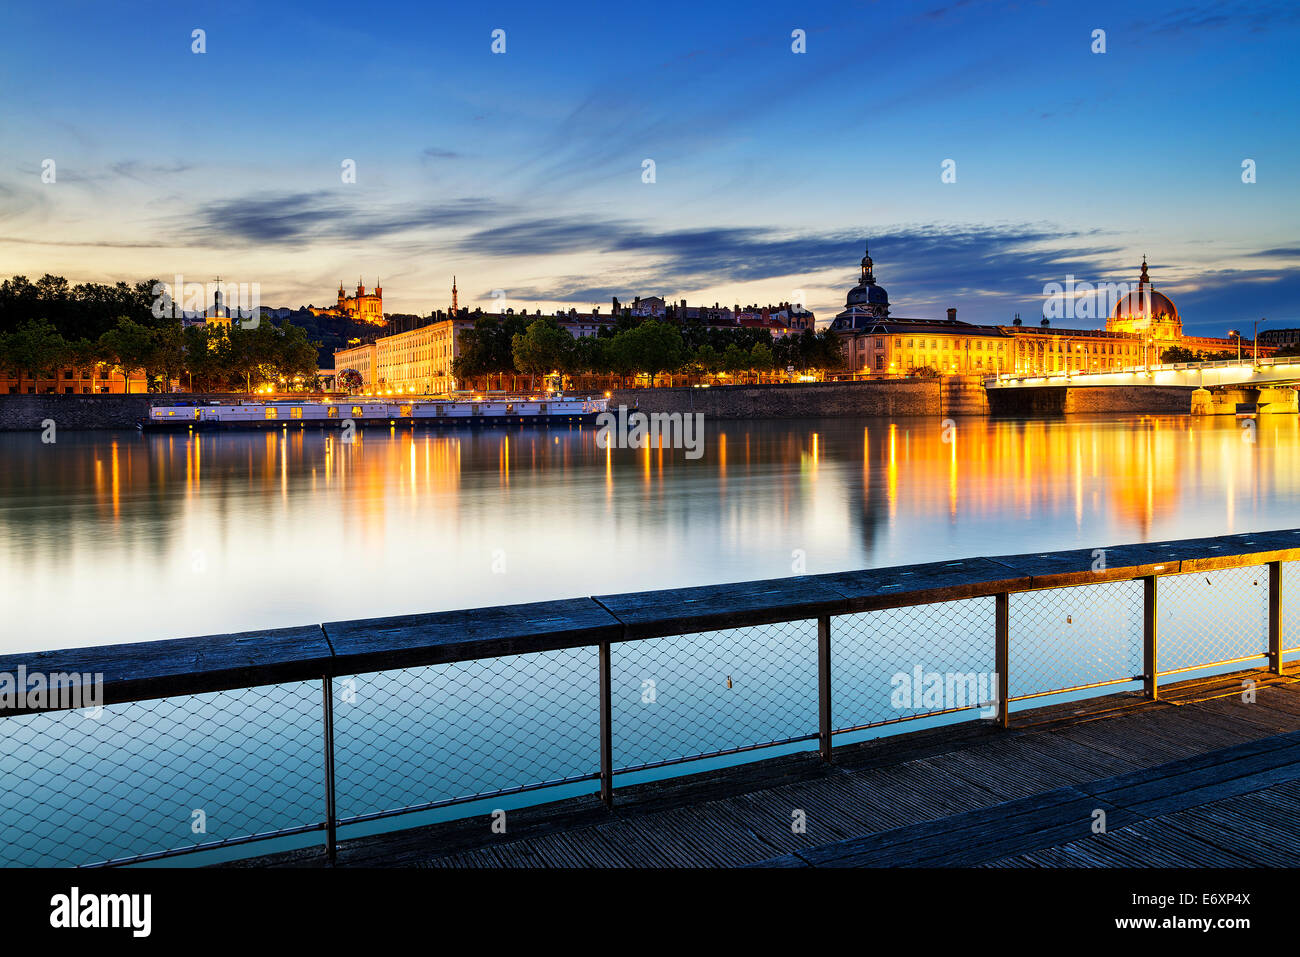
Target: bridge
[1207, 388]
[882, 716]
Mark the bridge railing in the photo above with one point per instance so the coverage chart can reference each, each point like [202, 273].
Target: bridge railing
[1245, 361]
[208, 743]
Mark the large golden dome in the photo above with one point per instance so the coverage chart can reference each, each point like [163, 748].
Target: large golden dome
[1146, 312]
[1144, 302]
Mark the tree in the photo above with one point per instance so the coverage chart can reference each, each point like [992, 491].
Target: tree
[35, 347]
[1178, 354]
[735, 360]
[129, 346]
[653, 347]
[541, 348]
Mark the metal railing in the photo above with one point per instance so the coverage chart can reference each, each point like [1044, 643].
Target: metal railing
[216, 742]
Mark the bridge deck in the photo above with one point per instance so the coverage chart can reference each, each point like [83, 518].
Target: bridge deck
[1197, 778]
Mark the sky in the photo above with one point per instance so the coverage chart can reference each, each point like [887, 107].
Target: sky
[522, 173]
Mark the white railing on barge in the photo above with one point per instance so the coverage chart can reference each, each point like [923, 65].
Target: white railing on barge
[366, 409]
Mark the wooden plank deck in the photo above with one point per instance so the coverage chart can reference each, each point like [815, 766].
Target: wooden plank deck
[1198, 778]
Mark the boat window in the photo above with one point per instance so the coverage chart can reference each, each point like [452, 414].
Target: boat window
[272, 412]
[510, 407]
[541, 409]
[404, 410]
[296, 412]
[356, 412]
[332, 412]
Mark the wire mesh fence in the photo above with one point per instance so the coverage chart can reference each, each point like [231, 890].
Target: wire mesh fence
[1291, 603]
[1208, 618]
[421, 737]
[180, 773]
[159, 776]
[1067, 639]
[688, 696]
[910, 662]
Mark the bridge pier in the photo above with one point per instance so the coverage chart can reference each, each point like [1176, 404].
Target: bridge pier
[1267, 400]
[1063, 399]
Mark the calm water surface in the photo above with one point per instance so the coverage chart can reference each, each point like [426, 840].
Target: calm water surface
[108, 537]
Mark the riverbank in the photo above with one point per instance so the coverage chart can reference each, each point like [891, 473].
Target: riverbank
[955, 395]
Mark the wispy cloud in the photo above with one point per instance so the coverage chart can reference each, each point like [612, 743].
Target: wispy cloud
[299, 218]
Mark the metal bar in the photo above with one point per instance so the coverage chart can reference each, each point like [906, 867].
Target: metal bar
[331, 823]
[824, 686]
[1088, 687]
[1150, 641]
[1002, 655]
[1262, 656]
[721, 753]
[209, 846]
[1275, 617]
[606, 730]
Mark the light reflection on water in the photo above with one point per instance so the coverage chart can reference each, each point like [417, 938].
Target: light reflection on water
[126, 537]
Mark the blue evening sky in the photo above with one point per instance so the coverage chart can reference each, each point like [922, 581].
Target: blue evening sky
[522, 171]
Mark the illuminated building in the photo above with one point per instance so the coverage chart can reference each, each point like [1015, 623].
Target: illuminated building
[362, 307]
[1142, 325]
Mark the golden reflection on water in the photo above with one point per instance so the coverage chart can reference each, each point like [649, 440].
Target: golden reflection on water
[296, 526]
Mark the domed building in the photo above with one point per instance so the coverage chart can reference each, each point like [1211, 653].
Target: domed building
[1147, 313]
[866, 302]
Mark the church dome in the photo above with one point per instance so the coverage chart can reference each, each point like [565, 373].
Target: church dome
[1144, 302]
[866, 292]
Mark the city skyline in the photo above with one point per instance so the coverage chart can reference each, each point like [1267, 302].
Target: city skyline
[522, 171]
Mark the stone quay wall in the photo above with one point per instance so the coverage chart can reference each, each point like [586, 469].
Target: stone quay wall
[898, 397]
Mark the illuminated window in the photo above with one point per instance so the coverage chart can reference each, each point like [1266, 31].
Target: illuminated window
[272, 412]
[332, 412]
[356, 412]
[295, 412]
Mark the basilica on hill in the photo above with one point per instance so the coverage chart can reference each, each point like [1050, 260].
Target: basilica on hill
[1141, 326]
[361, 307]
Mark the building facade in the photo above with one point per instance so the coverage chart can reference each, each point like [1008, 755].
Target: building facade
[1141, 326]
[417, 361]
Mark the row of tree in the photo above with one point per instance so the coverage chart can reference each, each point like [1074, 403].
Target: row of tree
[512, 345]
[205, 358]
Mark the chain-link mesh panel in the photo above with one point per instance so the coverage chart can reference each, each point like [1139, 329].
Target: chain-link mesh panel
[908, 662]
[421, 736]
[687, 696]
[1210, 617]
[161, 775]
[1068, 638]
[1291, 606]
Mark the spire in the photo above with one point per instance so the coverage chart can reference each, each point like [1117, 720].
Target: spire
[867, 276]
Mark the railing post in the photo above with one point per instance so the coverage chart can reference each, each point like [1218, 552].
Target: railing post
[1002, 655]
[1275, 617]
[331, 826]
[606, 731]
[1150, 640]
[824, 686]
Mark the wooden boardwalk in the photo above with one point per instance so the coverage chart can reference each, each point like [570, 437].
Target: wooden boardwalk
[1198, 778]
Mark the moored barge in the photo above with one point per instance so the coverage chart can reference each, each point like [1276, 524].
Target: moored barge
[334, 413]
